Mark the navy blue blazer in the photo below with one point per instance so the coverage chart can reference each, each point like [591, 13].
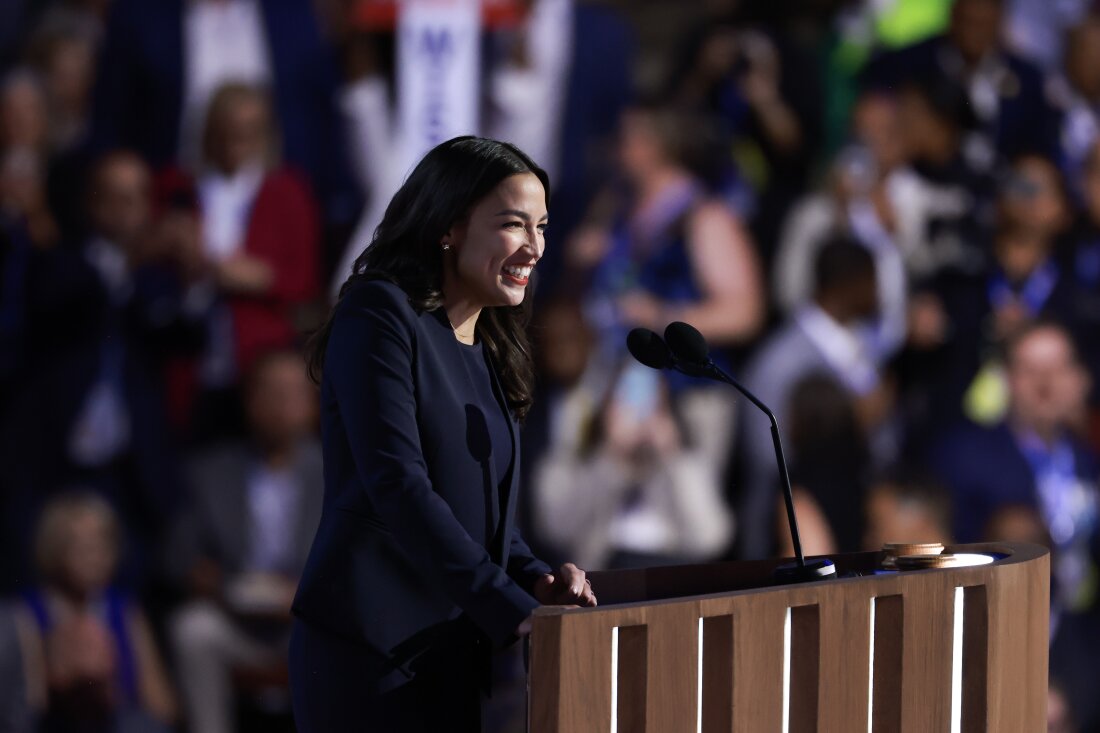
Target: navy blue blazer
[413, 533]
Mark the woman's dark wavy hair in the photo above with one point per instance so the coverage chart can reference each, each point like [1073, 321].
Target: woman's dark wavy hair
[450, 180]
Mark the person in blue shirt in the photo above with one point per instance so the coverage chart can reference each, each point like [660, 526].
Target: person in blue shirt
[1034, 459]
[92, 662]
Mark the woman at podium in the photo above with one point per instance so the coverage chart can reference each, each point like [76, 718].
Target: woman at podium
[418, 571]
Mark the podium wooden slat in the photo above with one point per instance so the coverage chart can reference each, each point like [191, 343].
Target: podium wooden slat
[843, 685]
[1018, 639]
[573, 661]
[926, 658]
[673, 668]
[758, 629]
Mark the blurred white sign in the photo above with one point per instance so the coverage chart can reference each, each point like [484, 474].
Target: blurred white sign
[438, 70]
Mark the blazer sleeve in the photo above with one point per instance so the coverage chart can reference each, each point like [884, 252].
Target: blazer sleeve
[369, 361]
[523, 566]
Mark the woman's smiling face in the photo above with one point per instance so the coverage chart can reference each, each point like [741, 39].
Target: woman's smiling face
[493, 250]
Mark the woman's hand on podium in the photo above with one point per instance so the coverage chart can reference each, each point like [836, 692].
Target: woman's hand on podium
[565, 586]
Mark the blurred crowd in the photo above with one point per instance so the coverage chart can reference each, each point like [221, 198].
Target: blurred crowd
[883, 215]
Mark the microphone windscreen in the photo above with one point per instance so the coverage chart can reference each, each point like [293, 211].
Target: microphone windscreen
[648, 348]
[686, 343]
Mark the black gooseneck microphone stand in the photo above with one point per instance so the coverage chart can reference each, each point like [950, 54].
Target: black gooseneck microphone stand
[685, 350]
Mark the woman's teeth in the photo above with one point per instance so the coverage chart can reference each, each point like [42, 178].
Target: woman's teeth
[520, 273]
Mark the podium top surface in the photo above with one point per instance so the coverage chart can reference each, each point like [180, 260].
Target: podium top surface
[682, 582]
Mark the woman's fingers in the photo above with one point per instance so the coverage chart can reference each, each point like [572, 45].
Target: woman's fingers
[572, 578]
[573, 586]
[589, 597]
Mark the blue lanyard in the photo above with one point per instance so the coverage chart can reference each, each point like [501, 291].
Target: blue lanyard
[1033, 294]
[1069, 509]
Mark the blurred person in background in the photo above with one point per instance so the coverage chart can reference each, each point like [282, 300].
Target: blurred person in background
[666, 250]
[1041, 30]
[24, 156]
[830, 467]
[63, 49]
[1006, 91]
[874, 196]
[1034, 458]
[761, 85]
[258, 238]
[570, 388]
[858, 31]
[91, 661]
[19, 19]
[163, 62]
[934, 116]
[24, 121]
[975, 312]
[1080, 261]
[99, 322]
[906, 505]
[821, 337]
[253, 509]
[23, 197]
[1076, 94]
[643, 484]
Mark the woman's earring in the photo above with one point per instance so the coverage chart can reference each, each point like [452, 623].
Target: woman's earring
[446, 247]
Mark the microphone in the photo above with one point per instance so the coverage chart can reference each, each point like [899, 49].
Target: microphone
[685, 350]
[649, 349]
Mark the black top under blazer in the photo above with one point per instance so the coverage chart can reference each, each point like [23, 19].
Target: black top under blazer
[413, 533]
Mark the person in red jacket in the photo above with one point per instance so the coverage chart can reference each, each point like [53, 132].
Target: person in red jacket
[258, 236]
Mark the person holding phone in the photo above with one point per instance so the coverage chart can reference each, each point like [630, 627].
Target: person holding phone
[643, 487]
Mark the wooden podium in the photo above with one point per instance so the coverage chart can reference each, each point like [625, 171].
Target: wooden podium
[715, 648]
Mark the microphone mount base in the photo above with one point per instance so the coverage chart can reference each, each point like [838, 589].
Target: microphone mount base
[819, 568]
